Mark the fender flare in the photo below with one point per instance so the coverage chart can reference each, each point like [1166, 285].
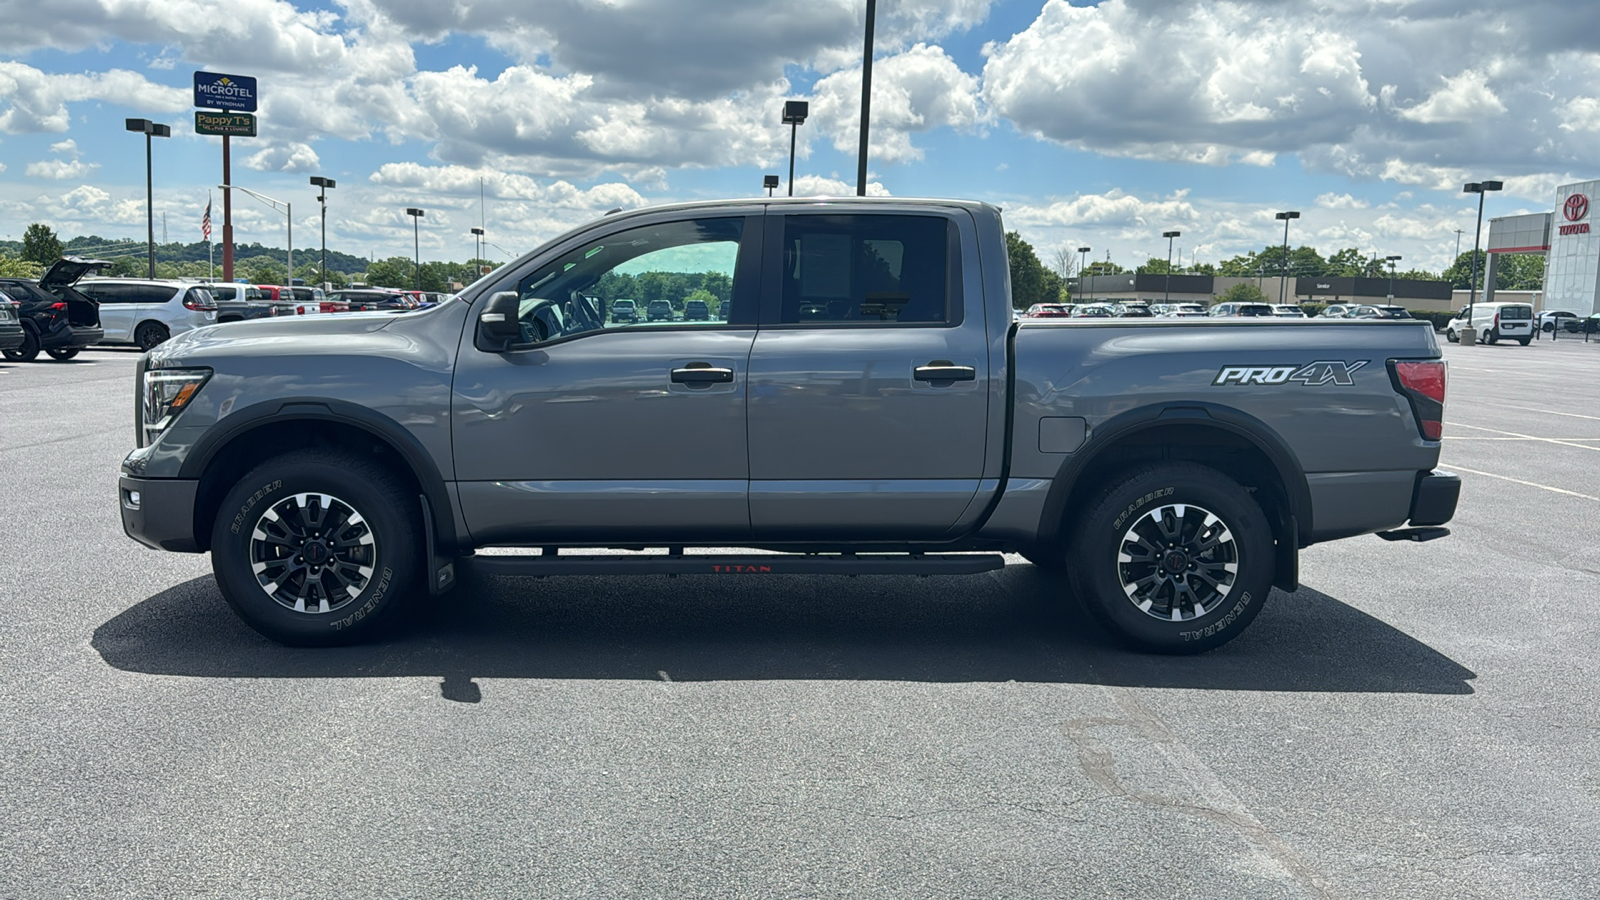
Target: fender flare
[1208, 415]
[321, 409]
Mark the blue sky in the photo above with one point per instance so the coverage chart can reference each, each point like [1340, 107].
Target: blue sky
[1099, 124]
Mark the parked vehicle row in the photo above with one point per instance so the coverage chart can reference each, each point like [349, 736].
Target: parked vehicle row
[53, 316]
[1138, 308]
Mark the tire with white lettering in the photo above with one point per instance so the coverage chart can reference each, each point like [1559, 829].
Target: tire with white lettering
[1174, 558]
[317, 548]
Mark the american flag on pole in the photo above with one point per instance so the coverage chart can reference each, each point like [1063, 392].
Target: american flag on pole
[205, 221]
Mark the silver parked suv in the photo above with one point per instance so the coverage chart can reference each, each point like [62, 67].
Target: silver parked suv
[145, 313]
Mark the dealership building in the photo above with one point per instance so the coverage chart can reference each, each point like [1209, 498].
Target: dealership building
[1565, 238]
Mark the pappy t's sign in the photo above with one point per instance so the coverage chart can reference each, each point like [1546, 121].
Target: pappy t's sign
[232, 92]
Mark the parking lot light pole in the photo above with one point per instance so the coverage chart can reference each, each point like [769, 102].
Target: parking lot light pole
[322, 198]
[770, 182]
[1480, 188]
[149, 129]
[416, 243]
[1166, 295]
[1284, 281]
[794, 115]
[1083, 266]
[477, 249]
[1391, 260]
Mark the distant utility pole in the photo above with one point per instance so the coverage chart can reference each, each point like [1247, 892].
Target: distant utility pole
[1458, 247]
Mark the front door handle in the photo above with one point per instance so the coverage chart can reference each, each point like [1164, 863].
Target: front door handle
[944, 370]
[702, 373]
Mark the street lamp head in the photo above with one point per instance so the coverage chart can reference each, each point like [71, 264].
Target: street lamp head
[477, 231]
[1171, 234]
[140, 125]
[1392, 258]
[324, 183]
[413, 211]
[795, 112]
[1084, 249]
[1291, 214]
[769, 182]
[158, 130]
[1492, 185]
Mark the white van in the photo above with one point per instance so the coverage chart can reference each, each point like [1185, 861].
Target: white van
[1493, 321]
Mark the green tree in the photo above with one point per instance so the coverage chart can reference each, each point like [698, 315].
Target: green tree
[1349, 263]
[1027, 274]
[16, 267]
[40, 244]
[1104, 267]
[394, 272]
[1154, 266]
[1243, 292]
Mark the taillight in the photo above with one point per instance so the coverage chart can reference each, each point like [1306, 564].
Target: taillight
[1423, 383]
[198, 306]
[58, 307]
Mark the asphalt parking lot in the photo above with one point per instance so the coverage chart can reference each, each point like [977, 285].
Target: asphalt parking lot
[1416, 721]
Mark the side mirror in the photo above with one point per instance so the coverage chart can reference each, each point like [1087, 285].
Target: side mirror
[498, 327]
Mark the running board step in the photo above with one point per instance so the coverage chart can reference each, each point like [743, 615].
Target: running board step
[1418, 534]
[763, 564]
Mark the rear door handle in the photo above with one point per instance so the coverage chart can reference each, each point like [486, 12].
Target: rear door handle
[944, 370]
[702, 373]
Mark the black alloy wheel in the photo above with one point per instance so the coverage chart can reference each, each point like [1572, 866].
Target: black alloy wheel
[1174, 558]
[317, 548]
[150, 335]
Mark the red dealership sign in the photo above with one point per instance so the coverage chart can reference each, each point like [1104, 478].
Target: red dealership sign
[1576, 207]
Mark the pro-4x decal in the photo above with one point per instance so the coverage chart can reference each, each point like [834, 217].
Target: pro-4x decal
[1316, 374]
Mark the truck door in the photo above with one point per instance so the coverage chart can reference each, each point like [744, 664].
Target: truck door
[591, 429]
[868, 379]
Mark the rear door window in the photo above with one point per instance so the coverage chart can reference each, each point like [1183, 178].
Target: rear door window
[867, 271]
[1516, 312]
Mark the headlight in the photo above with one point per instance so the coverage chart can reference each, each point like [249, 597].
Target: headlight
[167, 392]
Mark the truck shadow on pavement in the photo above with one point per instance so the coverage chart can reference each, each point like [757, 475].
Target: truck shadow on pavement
[1009, 626]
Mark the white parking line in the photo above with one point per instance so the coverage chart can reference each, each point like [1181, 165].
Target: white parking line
[1448, 467]
[1463, 437]
[1526, 437]
[1553, 412]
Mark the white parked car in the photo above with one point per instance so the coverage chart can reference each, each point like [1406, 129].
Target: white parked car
[1493, 321]
[145, 313]
[1288, 310]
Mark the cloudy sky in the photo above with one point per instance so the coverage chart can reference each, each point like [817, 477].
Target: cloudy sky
[1090, 123]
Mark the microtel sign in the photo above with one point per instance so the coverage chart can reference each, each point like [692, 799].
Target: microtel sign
[1575, 208]
[233, 92]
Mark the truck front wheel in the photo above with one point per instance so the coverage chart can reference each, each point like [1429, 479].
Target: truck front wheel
[315, 548]
[1174, 558]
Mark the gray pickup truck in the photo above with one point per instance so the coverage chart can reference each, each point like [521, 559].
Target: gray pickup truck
[863, 403]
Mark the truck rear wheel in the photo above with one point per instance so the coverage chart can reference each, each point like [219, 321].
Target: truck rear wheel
[316, 548]
[1174, 558]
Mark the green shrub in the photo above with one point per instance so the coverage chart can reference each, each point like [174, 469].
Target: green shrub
[1312, 309]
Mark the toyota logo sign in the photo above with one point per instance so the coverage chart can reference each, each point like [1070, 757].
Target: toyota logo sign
[1576, 207]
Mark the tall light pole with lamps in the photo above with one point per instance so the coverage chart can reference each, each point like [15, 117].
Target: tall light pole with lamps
[322, 199]
[477, 250]
[794, 115]
[149, 129]
[1480, 188]
[1083, 268]
[770, 182]
[416, 243]
[1284, 282]
[1391, 260]
[1166, 295]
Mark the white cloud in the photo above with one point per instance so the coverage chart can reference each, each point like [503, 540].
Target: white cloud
[915, 91]
[1364, 89]
[60, 169]
[819, 186]
[36, 101]
[1465, 98]
[285, 157]
[1331, 200]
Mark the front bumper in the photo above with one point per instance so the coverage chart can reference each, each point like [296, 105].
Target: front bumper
[10, 337]
[159, 512]
[1433, 500]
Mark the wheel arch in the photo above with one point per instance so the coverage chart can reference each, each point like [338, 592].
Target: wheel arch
[1233, 442]
[257, 433]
